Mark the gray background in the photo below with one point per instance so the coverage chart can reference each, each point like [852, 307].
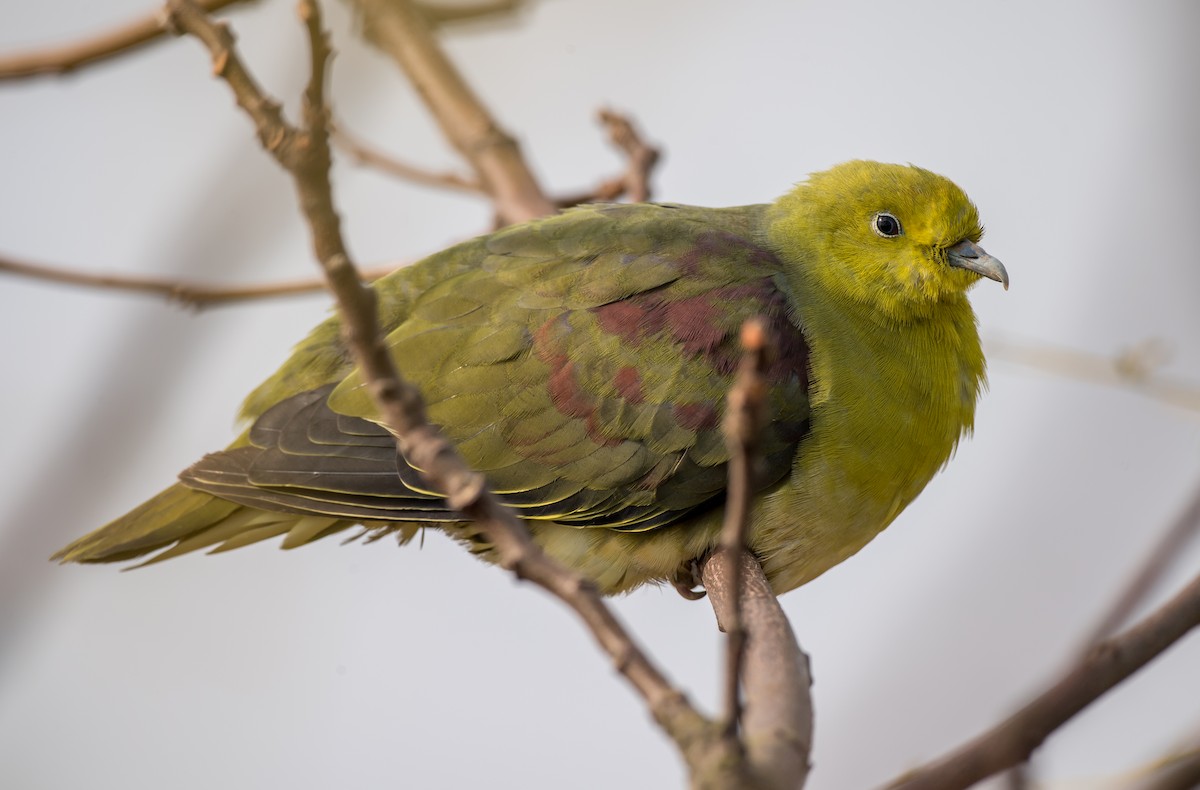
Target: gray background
[1073, 125]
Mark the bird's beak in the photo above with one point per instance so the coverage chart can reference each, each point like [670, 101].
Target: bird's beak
[969, 255]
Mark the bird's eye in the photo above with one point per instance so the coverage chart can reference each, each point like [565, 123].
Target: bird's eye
[886, 225]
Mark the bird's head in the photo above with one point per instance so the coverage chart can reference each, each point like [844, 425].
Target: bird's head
[897, 239]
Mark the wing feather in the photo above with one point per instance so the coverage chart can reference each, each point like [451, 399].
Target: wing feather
[580, 362]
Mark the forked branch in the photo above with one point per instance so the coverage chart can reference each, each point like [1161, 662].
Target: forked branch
[401, 29]
[66, 58]
[304, 152]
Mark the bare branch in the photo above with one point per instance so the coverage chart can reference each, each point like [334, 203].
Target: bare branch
[641, 158]
[439, 14]
[1107, 664]
[66, 58]
[1178, 771]
[744, 421]
[400, 29]
[1017, 777]
[189, 294]
[1132, 369]
[1141, 583]
[777, 723]
[366, 155]
[305, 154]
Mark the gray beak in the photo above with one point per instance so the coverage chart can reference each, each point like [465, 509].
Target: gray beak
[970, 256]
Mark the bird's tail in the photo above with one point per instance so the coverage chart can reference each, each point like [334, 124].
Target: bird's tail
[181, 519]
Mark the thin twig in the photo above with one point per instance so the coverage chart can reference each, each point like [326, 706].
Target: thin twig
[1105, 665]
[641, 159]
[1173, 541]
[1133, 369]
[401, 30]
[372, 157]
[193, 295]
[744, 421]
[305, 154]
[66, 58]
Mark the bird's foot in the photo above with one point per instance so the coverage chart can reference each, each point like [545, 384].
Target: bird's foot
[687, 579]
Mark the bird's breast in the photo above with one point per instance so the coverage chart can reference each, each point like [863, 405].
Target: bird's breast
[888, 409]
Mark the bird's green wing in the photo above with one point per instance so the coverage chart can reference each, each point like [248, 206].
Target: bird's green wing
[580, 362]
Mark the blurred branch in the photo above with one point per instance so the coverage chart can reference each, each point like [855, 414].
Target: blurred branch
[1132, 369]
[1017, 777]
[1152, 570]
[372, 157]
[305, 154]
[1105, 665]
[1178, 771]
[641, 158]
[66, 58]
[402, 31]
[439, 14]
[189, 294]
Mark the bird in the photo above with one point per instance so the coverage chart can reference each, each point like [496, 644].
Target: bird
[581, 362]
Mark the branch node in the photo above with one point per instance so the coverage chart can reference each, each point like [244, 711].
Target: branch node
[220, 64]
[467, 491]
[622, 658]
[516, 561]
[168, 19]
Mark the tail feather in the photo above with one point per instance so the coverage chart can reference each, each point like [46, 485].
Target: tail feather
[181, 519]
[309, 528]
[237, 523]
[171, 516]
[253, 535]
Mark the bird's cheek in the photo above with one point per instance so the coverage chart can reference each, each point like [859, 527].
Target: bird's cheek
[914, 279]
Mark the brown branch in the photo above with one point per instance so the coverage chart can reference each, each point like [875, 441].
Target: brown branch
[439, 14]
[642, 156]
[761, 649]
[1178, 771]
[744, 421]
[1132, 369]
[777, 723]
[641, 159]
[364, 154]
[1173, 541]
[305, 154]
[1017, 777]
[401, 30]
[189, 294]
[66, 58]
[1105, 665]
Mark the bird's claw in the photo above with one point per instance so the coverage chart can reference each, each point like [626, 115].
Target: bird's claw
[687, 579]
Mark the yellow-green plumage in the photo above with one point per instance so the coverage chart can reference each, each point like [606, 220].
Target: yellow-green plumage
[581, 362]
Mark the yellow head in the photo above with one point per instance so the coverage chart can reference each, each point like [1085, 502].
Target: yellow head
[897, 239]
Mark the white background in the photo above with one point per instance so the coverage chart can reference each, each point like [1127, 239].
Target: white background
[1073, 125]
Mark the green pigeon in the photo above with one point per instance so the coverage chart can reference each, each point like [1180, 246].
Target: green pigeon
[581, 362]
